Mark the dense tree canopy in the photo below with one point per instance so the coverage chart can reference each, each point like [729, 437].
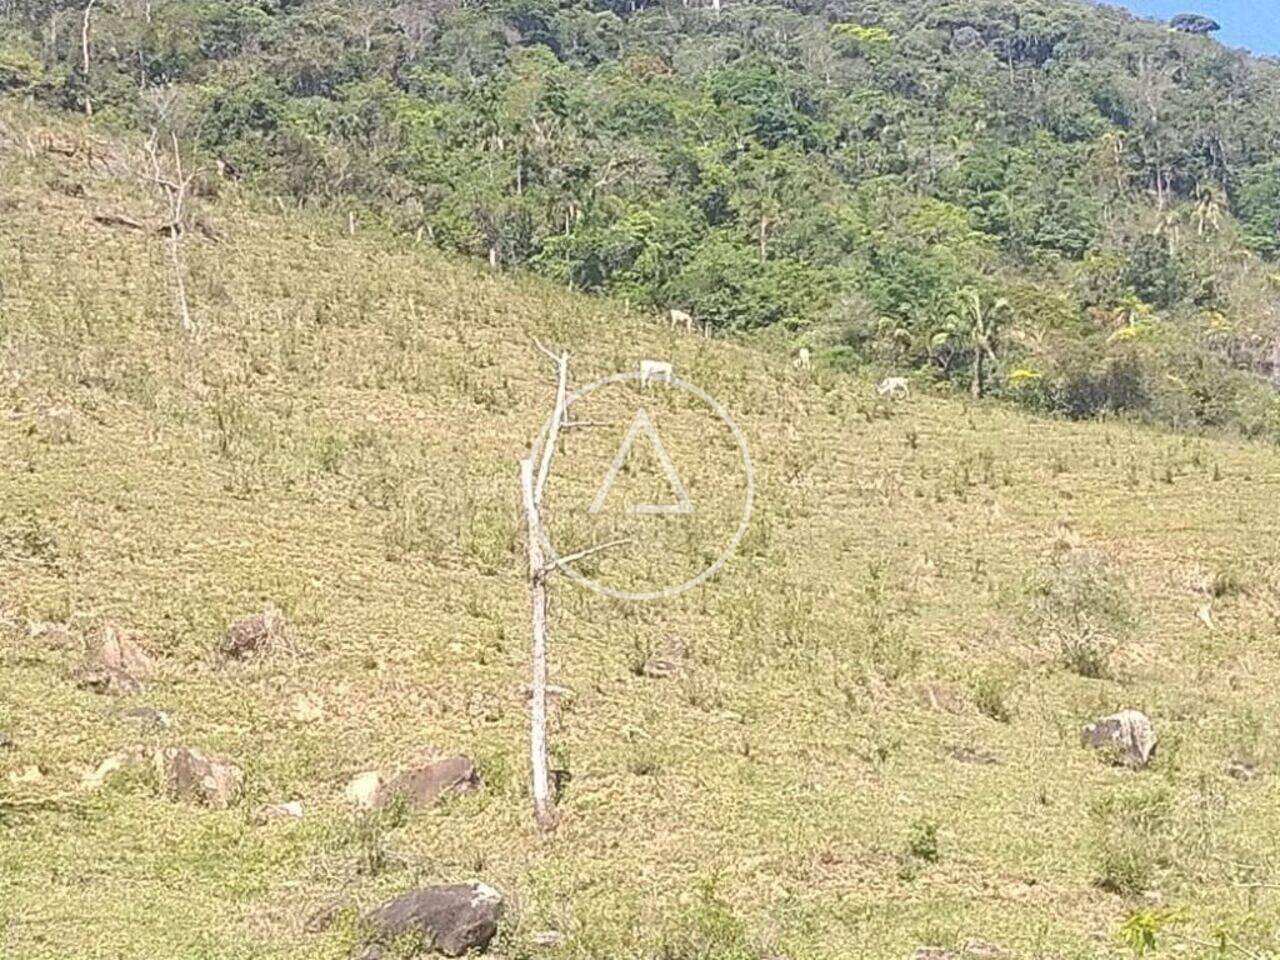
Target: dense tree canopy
[878, 176]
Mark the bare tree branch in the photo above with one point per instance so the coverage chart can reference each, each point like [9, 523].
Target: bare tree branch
[583, 554]
[175, 190]
[557, 417]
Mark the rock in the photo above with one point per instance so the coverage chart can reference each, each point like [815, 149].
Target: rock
[290, 810]
[54, 636]
[321, 917]
[1242, 771]
[191, 774]
[132, 757]
[977, 950]
[972, 755]
[451, 919]
[6, 741]
[668, 663]
[109, 681]
[427, 784]
[306, 709]
[1129, 734]
[547, 938]
[941, 699]
[116, 666]
[364, 789]
[30, 774]
[252, 634]
[148, 716]
[115, 651]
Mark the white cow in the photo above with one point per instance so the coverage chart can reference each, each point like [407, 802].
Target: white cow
[894, 387]
[655, 370]
[679, 318]
[802, 360]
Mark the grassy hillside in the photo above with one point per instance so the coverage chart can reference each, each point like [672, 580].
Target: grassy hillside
[1103, 190]
[340, 440]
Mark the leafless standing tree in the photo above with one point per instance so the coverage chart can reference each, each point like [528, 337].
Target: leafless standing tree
[532, 485]
[544, 811]
[84, 51]
[176, 189]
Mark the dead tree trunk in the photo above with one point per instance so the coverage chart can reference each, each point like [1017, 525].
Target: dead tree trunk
[84, 52]
[544, 812]
[532, 488]
[175, 191]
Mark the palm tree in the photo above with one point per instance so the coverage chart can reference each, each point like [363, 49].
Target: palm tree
[976, 325]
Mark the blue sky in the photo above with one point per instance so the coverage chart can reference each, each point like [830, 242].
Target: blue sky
[1253, 24]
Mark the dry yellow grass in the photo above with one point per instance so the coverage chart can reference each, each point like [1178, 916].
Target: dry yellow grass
[341, 441]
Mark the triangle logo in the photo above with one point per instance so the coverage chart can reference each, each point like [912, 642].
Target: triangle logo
[642, 422]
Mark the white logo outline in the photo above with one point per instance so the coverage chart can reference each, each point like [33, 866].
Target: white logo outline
[642, 421]
[738, 534]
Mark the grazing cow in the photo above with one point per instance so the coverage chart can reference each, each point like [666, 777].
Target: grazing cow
[655, 370]
[895, 387]
[681, 319]
[802, 360]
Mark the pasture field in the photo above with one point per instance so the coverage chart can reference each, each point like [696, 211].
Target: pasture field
[870, 738]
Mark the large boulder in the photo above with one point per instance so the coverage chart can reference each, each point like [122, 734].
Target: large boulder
[188, 773]
[115, 665]
[420, 784]
[1129, 735]
[424, 785]
[452, 919]
[118, 652]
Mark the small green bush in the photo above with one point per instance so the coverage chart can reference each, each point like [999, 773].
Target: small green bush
[1132, 838]
[1083, 602]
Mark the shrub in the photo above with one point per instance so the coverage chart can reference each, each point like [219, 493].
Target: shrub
[923, 841]
[921, 849]
[991, 696]
[887, 649]
[708, 930]
[1083, 603]
[19, 68]
[1132, 838]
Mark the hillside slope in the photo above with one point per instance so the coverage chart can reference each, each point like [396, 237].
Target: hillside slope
[1103, 188]
[341, 441]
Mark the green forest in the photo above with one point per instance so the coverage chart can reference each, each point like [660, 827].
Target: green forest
[1045, 201]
